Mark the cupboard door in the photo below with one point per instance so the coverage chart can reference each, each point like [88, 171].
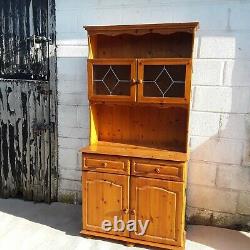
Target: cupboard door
[104, 196]
[162, 203]
[112, 79]
[164, 80]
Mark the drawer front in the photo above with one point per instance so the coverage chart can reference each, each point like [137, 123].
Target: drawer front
[158, 169]
[106, 163]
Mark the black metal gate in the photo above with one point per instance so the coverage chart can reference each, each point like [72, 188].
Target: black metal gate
[28, 145]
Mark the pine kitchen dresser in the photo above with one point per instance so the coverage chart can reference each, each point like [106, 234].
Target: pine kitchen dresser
[135, 167]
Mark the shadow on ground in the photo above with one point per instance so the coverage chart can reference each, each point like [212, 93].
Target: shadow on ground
[63, 217]
[67, 218]
[217, 238]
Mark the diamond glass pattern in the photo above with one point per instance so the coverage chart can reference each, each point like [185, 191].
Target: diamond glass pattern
[112, 79]
[164, 80]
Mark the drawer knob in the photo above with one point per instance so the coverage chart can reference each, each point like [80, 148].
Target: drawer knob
[105, 164]
[132, 212]
[157, 170]
[125, 210]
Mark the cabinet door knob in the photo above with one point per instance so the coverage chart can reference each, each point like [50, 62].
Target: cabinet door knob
[132, 212]
[125, 210]
[140, 81]
[134, 81]
[157, 170]
[105, 164]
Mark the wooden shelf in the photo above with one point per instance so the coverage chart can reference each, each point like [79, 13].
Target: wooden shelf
[163, 28]
[138, 104]
[129, 150]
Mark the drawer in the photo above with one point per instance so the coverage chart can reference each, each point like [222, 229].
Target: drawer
[106, 163]
[158, 169]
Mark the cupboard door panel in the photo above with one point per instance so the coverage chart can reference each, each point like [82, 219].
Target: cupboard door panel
[164, 80]
[105, 196]
[112, 79]
[162, 203]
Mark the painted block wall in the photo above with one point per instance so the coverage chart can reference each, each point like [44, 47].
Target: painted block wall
[218, 190]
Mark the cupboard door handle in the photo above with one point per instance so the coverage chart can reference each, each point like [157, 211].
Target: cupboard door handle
[157, 170]
[140, 81]
[125, 210]
[132, 212]
[105, 164]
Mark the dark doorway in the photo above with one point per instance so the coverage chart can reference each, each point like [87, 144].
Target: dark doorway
[28, 135]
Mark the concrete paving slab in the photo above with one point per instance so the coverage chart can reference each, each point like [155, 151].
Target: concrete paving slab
[37, 226]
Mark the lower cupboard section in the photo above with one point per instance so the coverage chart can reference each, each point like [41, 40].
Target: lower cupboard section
[135, 198]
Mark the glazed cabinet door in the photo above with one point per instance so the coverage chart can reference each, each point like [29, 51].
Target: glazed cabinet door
[104, 196]
[162, 203]
[112, 79]
[164, 80]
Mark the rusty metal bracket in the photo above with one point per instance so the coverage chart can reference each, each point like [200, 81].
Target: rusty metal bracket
[38, 39]
[37, 128]
[45, 92]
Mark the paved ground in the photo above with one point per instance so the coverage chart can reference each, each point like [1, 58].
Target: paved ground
[26, 226]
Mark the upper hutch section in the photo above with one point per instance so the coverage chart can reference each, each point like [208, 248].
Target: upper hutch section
[149, 63]
[173, 40]
[139, 82]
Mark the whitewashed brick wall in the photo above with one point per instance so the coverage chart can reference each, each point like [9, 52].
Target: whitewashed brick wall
[219, 169]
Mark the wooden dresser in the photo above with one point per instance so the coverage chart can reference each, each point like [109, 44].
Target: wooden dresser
[135, 168]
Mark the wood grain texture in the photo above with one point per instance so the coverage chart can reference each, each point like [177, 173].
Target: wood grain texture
[148, 133]
[105, 196]
[150, 127]
[163, 28]
[22, 23]
[106, 163]
[28, 102]
[107, 148]
[24, 150]
[164, 62]
[127, 62]
[162, 202]
[176, 45]
[53, 117]
[168, 170]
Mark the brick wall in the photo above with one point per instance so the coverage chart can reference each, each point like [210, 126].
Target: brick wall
[219, 169]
